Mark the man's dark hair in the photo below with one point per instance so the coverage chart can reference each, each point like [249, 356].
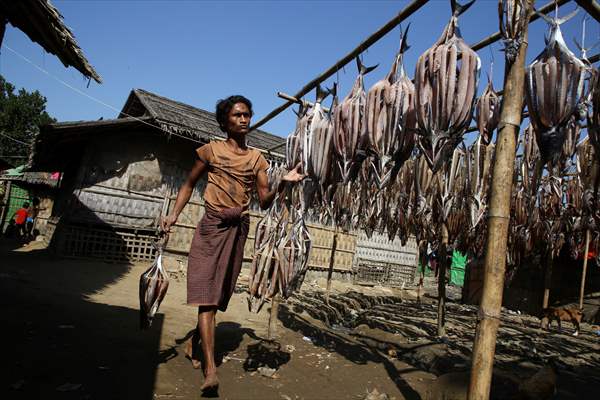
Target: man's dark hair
[225, 105]
[26, 204]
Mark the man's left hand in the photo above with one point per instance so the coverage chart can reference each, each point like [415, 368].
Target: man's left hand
[294, 175]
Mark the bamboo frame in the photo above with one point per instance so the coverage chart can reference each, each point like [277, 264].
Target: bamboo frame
[498, 220]
[583, 273]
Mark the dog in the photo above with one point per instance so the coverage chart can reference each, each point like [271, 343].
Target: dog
[567, 313]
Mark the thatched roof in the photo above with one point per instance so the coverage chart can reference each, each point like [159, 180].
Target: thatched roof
[143, 112]
[43, 23]
[183, 119]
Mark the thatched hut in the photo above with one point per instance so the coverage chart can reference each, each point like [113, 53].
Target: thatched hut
[43, 24]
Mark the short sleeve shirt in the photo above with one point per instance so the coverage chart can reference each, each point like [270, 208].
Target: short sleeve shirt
[231, 176]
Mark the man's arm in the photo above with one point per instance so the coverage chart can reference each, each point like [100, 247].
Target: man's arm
[185, 192]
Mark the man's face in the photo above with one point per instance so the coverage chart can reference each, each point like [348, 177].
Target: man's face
[238, 119]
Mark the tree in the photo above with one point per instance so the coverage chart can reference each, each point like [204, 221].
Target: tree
[21, 115]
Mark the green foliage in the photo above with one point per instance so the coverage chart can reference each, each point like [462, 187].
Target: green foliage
[21, 115]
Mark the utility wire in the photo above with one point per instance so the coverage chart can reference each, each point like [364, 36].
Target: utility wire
[12, 138]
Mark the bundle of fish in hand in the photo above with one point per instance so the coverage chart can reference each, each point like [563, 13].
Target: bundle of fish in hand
[153, 286]
[554, 91]
[445, 92]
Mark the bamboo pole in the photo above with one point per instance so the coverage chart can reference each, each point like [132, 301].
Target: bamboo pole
[585, 262]
[592, 8]
[296, 100]
[548, 281]
[331, 263]
[6, 204]
[443, 264]
[272, 328]
[499, 213]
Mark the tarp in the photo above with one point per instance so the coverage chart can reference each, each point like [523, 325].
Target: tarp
[457, 270]
[17, 171]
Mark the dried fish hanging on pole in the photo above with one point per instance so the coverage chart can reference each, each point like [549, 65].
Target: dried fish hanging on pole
[479, 161]
[262, 281]
[525, 213]
[445, 92]
[449, 198]
[293, 251]
[349, 128]
[321, 160]
[349, 124]
[294, 141]
[554, 89]
[153, 286]
[422, 211]
[390, 120]
[487, 112]
[313, 153]
[513, 19]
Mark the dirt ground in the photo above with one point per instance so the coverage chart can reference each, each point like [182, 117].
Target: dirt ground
[70, 329]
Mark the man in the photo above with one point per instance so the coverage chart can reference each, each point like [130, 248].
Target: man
[217, 249]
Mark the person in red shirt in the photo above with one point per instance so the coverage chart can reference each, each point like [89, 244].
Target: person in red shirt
[20, 218]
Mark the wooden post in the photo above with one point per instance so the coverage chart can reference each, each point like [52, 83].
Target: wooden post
[4, 211]
[547, 281]
[442, 267]
[331, 263]
[272, 329]
[498, 218]
[585, 262]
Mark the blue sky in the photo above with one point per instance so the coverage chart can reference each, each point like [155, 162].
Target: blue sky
[200, 51]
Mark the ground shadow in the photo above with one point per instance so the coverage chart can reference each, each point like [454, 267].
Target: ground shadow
[60, 345]
[353, 351]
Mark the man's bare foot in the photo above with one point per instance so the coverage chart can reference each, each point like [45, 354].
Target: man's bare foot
[189, 353]
[211, 381]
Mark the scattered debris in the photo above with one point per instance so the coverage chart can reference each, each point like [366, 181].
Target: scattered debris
[69, 387]
[375, 395]
[268, 372]
[290, 348]
[307, 339]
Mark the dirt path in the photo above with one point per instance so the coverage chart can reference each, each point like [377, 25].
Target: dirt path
[71, 332]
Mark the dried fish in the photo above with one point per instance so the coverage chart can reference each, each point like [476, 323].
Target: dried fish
[445, 92]
[513, 20]
[391, 120]
[554, 88]
[153, 287]
[487, 112]
[349, 124]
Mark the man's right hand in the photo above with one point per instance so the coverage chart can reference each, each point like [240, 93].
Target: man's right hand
[167, 221]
